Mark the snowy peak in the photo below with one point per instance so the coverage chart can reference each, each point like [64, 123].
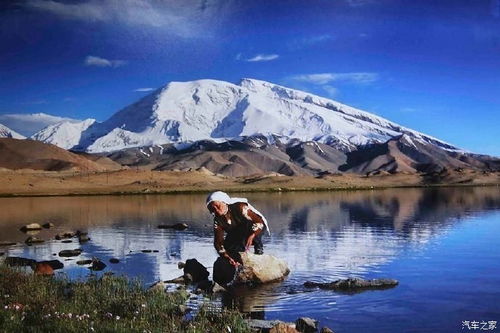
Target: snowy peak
[65, 134]
[29, 124]
[6, 132]
[183, 112]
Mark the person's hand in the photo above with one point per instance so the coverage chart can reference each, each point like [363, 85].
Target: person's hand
[249, 242]
[233, 262]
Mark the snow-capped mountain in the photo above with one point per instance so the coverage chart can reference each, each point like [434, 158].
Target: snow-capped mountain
[184, 112]
[64, 134]
[29, 124]
[6, 132]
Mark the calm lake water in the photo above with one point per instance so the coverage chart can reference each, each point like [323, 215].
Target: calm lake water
[443, 245]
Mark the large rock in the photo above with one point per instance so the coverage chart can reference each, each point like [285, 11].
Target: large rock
[255, 269]
[70, 253]
[352, 284]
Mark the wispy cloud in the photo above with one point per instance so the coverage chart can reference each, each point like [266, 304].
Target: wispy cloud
[330, 90]
[303, 42]
[35, 102]
[262, 57]
[325, 78]
[187, 18]
[144, 89]
[102, 62]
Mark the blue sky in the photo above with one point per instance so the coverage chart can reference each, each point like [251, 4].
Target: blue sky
[433, 66]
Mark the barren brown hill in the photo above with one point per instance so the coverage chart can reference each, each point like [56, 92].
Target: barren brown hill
[29, 154]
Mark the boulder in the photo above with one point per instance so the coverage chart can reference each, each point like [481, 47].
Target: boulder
[33, 240]
[67, 241]
[32, 226]
[353, 284]
[84, 262]
[70, 253]
[306, 325]
[195, 271]
[48, 225]
[177, 226]
[326, 330]
[255, 269]
[114, 260]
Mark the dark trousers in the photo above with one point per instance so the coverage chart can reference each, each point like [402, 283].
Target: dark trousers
[236, 239]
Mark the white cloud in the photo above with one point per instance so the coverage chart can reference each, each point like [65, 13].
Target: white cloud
[300, 43]
[263, 57]
[331, 90]
[144, 89]
[325, 78]
[102, 62]
[186, 18]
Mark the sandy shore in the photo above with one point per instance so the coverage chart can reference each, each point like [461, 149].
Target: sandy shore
[34, 183]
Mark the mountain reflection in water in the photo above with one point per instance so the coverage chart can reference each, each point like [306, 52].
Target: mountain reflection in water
[322, 235]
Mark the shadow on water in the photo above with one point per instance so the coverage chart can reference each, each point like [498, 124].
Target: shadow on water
[323, 236]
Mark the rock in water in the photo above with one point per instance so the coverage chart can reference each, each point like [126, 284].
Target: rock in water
[32, 226]
[353, 284]
[255, 269]
[70, 253]
[177, 226]
[195, 271]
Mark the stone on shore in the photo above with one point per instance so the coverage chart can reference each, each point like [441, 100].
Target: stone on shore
[19, 262]
[265, 326]
[255, 269]
[283, 328]
[48, 225]
[32, 226]
[306, 325]
[6, 243]
[352, 284]
[43, 269]
[83, 238]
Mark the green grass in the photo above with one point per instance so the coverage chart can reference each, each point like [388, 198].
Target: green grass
[31, 303]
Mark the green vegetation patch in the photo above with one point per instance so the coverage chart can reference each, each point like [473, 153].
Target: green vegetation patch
[30, 303]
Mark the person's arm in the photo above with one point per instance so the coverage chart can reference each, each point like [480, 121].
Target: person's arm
[257, 224]
[219, 245]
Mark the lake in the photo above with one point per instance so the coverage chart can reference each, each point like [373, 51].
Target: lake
[442, 244]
